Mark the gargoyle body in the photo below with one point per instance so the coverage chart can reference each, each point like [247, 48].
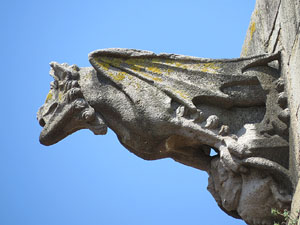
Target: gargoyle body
[182, 107]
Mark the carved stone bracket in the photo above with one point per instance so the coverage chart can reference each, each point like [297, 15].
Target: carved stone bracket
[184, 107]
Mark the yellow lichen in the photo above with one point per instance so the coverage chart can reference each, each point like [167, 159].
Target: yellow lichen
[134, 61]
[155, 60]
[110, 61]
[49, 97]
[252, 30]
[169, 71]
[136, 68]
[103, 65]
[116, 62]
[181, 93]
[117, 77]
[154, 70]
[209, 67]
[60, 96]
[137, 65]
[121, 76]
[177, 64]
[212, 65]
[245, 49]
[106, 62]
[168, 61]
[158, 79]
[136, 85]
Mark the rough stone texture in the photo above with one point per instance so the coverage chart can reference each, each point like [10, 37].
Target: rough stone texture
[181, 107]
[275, 26]
[166, 105]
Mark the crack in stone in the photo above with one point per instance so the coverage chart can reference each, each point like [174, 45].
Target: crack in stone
[294, 42]
[277, 40]
[274, 23]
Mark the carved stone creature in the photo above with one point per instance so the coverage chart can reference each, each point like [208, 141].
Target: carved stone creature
[181, 107]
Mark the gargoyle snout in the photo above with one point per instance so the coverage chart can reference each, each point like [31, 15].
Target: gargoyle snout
[40, 118]
[42, 122]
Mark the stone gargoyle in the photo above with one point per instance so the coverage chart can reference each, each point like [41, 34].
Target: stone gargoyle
[166, 105]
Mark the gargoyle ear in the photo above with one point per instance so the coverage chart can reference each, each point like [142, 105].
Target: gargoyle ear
[97, 126]
[57, 71]
[61, 72]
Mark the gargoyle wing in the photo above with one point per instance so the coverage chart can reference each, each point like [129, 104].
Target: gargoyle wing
[189, 80]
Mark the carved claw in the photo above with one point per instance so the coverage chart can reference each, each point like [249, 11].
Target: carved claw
[230, 162]
[224, 130]
[180, 111]
[212, 122]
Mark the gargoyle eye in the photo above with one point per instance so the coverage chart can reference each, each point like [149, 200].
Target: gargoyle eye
[51, 109]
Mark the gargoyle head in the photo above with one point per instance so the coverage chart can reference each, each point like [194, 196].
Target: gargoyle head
[65, 109]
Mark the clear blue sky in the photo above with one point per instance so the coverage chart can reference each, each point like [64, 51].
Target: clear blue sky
[87, 179]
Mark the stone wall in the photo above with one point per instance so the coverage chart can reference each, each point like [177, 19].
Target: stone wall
[275, 26]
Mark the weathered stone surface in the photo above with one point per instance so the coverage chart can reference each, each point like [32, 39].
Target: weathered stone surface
[281, 34]
[180, 107]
